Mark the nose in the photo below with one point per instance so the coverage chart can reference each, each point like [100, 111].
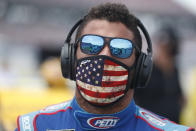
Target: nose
[105, 51]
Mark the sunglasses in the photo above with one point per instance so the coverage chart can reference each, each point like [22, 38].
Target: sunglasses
[119, 47]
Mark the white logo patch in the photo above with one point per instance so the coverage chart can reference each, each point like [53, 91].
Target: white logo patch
[55, 107]
[84, 62]
[153, 119]
[103, 122]
[26, 123]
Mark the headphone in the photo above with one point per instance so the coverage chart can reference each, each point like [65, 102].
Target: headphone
[144, 64]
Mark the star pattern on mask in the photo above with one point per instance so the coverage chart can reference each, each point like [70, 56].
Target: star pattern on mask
[98, 74]
[99, 66]
[85, 75]
[97, 82]
[90, 71]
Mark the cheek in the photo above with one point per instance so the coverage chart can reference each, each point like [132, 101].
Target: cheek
[129, 61]
[80, 54]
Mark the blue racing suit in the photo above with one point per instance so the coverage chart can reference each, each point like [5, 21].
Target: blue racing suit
[68, 116]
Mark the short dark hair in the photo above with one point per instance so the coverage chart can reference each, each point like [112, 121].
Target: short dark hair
[113, 12]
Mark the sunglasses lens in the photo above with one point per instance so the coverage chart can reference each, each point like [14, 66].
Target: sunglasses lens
[121, 48]
[91, 44]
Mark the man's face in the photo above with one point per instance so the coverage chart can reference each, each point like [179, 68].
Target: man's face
[107, 29]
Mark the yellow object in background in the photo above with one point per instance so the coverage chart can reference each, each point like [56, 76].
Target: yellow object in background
[189, 114]
[19, 101]
[50, 70]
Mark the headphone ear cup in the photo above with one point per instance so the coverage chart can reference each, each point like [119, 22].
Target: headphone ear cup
[73, 61]
[147, 71]
[143, 70]
[68, 61]
[137, 71]
[65, 61]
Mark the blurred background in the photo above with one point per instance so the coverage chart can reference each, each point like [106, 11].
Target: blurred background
[32, 33]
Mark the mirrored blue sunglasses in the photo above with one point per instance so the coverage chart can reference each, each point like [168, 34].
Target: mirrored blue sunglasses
[119, 47]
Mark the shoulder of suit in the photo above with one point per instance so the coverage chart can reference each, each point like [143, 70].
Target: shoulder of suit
[27, 122]
[158, 123]
[56, 107]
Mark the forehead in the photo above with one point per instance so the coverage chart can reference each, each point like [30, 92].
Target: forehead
[108, 29]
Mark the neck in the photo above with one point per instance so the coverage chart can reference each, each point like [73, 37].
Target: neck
[109, 109]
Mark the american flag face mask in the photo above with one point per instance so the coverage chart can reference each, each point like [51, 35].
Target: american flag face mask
[101, 80]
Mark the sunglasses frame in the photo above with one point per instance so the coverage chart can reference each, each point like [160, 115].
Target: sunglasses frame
[107, 40]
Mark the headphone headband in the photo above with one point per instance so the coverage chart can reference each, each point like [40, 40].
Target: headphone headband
[139, 24]
[142, 27]
[68, 39]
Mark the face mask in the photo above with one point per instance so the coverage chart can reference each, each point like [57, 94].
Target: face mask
[101, 80]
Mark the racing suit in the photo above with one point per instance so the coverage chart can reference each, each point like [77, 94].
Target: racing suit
[68, 116]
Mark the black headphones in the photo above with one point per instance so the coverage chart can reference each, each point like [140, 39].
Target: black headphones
[143, 66]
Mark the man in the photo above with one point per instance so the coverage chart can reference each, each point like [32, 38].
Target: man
[103, 61]
[164, 84]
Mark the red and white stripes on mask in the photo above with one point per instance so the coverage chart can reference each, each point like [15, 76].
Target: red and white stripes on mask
[101, 80]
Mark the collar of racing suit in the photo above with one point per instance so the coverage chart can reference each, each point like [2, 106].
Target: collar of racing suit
[89, 121]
